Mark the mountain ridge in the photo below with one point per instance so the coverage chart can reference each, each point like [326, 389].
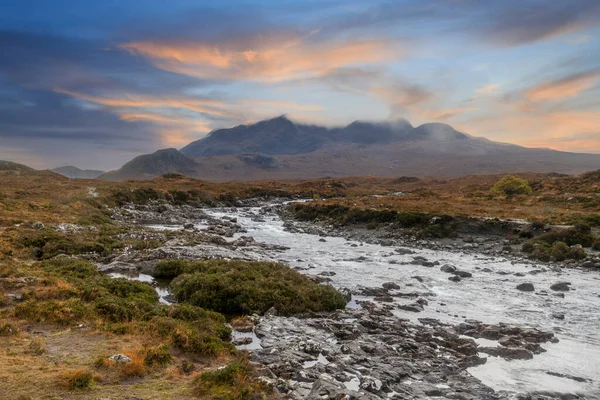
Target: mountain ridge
[279, 148]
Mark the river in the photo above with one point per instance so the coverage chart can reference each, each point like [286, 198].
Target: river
[490, 297]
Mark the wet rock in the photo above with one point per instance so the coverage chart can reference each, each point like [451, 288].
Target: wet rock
[448, 268]
[413, 307]
[463, 274]
[561, 287]
[188, 225]
[242, 324]
[455, 278]
[347, 293]
[390, 286]
[526, 287]
[241, 341]
[384, 299]
[402, 250]
[322, 240]
[326, 273]
[566, 376]
[508, 353]
[558, 315]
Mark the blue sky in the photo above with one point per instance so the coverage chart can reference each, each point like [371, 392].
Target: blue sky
[95, 83]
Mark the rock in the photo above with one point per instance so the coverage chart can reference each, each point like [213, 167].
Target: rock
[402, 250]
[455, 278]
[561, 287]
[384, 299]
[120, 358]
[526, 287]
[508, 353]
[271, 312]
[448, 268]
[347, 293]
[390, 286]
[241, 341]
[558, 315]
[188, 225]
[322, 240]
[326, 273]
[463, 274]
[413, 307]
[243, 324]
[38, 225]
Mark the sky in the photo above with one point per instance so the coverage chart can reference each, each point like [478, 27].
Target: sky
[95, 83]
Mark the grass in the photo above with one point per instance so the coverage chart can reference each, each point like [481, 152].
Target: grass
[80, 316]
[242, 287]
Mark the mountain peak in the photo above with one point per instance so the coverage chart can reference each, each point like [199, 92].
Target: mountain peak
[438, 131]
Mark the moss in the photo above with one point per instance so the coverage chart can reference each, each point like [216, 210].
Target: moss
[238, 287]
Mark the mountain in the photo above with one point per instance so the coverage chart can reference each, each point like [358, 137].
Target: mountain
[76, 173]
[275, 136]
[151, 165]
[282, 149]
[13, 167]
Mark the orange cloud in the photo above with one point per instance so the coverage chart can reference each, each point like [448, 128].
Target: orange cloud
[199, 126]
[566, 87]
[487, 88]
[294, 58]
[568, 130]
[203, 106]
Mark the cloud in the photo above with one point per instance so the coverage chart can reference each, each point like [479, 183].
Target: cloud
[267, 60]
[559, 89]
[489, 88]
[505, 23]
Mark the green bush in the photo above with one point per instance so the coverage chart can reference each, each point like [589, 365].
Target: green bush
[580, 234]
[229, 383]
[511, 185]
[169, 269]
[240, 287]
[158, 355]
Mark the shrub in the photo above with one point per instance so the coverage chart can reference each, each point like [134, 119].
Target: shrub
[511, 185]
[169, 269]
[158, 355]
[135, 368]
[232, 382]
[78, 380]
[8, 329]
[580, 234]
[596, 245]
[240, 287]
[37, 346]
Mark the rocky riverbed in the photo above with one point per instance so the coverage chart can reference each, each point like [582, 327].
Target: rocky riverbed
[425, 319]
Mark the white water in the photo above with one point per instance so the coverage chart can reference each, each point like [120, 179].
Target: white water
[487, 297]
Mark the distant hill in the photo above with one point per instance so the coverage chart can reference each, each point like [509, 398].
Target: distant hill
[280, 149]
[14, 167]
[76, 173]
[151, 165]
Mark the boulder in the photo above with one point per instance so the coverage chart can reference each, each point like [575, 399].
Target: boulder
[120, 358]
[526, 287]
[448, 268]
[561, 287]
